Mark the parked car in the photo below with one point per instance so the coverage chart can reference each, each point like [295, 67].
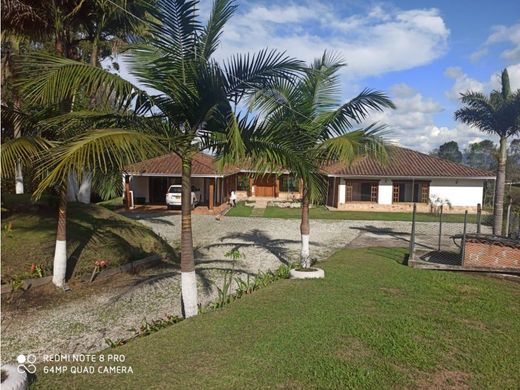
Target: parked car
[173, 196]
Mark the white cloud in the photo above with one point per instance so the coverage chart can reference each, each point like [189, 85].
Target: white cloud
[378, 41]
[462, 83]
[514, 78]
[501, 34]
[412, 123]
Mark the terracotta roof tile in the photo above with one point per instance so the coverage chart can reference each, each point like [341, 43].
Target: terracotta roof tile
[404, 162]
[170, 164]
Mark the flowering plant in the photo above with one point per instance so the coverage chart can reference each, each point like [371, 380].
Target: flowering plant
[36, 270]
[97, 267]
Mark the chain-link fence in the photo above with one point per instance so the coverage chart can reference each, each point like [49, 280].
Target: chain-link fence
[443, 240]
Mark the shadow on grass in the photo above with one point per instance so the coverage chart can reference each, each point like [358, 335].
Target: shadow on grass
[397, 256]
[257, 238]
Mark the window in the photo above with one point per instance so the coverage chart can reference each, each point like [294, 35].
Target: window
[411, 191]
[289, 184]
[361, 191]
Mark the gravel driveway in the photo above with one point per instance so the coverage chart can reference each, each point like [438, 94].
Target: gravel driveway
[81, 324]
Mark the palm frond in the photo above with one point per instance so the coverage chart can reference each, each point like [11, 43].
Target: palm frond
[248, 73]
[48, 80]
[23, 150]
[96, 151]
[210, 37]
[353, 112]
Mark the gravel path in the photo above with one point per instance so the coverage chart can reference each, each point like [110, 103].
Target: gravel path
[82, 324]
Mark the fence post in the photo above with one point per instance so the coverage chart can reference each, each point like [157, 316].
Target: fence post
[463, 241]
[508, 218]
[440, 228]
[479, 215]
[411, 250]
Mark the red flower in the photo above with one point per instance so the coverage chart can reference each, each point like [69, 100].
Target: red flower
[33, 267]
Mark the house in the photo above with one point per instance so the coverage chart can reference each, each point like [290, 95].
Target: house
[408, 177]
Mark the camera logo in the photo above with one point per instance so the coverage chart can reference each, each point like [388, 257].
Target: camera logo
[26, 363]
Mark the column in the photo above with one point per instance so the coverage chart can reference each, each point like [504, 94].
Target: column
[211, 203]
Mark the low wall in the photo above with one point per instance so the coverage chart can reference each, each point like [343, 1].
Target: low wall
[402, 207]
[491, 252]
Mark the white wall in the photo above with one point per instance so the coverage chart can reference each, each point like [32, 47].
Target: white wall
[459, 192]
[342, 191]
[384, 195]
[139, 184]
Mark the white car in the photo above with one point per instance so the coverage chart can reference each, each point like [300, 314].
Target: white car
[173, 196]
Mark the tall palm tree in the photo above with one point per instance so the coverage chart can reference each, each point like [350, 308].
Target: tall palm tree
[497, 114]
[196, 98]
[305, 116]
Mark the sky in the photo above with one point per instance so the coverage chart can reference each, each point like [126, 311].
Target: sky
[423, 54]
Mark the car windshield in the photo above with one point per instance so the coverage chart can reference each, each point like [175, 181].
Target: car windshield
[174, 190]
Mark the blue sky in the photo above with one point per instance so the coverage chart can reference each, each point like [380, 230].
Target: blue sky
[422, 53]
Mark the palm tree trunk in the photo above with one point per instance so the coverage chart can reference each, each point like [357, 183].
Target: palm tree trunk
[60, 253]
[305, 230]
[500, 188]
[19, 189]
[188, 277]
[17, 104]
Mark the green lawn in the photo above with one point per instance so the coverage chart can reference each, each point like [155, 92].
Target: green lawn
[372, 323]
[240, 211]
[323, 213]
[94, 233]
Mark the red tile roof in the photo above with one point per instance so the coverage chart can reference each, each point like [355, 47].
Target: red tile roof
[401, 163]
[406, 163]
[170, 165]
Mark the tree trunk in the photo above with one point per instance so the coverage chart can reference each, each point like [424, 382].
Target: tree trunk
[17, 105]
[17, 134]
[85, 188]
[188, 277]
[305, 230]
[60, 253]
[500, 188]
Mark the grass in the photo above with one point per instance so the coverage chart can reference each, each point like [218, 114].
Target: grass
[94, 233]
[323, 213]
[241, 210]
[371, 323]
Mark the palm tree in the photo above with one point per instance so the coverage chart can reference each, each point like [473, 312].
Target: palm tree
[497, 114]
[196, 99]
[305, 118]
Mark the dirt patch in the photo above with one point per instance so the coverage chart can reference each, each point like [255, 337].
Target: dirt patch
[466, 289]
[353, 349]
[392, 291]
[444, 380]
[478, 325]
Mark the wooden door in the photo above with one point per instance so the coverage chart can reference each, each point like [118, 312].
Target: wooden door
[265, 186]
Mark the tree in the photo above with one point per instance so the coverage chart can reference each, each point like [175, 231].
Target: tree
[482, 155]
[497, 114]
[76, 29]
[311, 128]
[513, 161]
[196, 101]
[449, 151]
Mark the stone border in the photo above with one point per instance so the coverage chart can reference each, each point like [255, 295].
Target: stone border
[317, 274]
[132, 267]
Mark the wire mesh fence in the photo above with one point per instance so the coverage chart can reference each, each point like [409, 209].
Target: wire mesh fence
[443, 241]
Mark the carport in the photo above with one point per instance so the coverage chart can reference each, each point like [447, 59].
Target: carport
[150, 179]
